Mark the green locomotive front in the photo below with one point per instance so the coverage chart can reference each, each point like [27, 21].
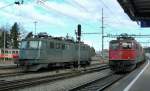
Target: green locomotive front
[44, 52]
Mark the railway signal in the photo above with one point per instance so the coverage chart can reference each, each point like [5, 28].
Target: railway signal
[79, 38]
[79, 30]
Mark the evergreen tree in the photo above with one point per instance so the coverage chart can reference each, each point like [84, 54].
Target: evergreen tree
[14, 35]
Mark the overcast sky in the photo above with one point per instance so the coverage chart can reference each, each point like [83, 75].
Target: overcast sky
[59, 17]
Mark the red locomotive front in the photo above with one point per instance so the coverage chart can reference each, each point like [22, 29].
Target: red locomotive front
[122, 50]
[124, 53]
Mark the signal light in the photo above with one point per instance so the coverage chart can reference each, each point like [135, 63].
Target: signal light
[79, 30]
[17, 3]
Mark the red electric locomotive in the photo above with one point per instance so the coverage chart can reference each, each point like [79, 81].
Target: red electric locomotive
[124, 53]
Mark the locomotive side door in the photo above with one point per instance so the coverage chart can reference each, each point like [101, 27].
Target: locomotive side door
[54, 51]
[68, 52]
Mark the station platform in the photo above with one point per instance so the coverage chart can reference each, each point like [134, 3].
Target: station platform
[138, 80]
[142, 80]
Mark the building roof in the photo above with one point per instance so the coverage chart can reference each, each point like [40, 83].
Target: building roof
[137, 10]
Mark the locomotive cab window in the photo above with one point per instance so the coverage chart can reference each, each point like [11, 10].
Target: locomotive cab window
[23, 44]
[30, 44]
[114, 46]
[126, 45]
[33, 44]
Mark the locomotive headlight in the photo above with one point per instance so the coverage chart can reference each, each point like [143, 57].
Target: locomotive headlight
[128, 57]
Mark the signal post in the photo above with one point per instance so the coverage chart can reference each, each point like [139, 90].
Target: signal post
[79, 39]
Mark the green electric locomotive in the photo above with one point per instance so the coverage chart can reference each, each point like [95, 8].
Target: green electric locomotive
[44, 51]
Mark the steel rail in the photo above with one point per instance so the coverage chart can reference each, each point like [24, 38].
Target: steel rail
[7, 85]
[2, 75]
[99, 84]
[111, 83]
[9, 74]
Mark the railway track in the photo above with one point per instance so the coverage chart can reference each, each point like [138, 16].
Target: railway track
[9, 85]
[12, 74]
[99, 84]
[8, 67]
[20, 73]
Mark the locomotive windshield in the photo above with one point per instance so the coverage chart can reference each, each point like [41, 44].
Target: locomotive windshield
[126, 45]
[114, 46]
[23, 45]
[30, 44]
